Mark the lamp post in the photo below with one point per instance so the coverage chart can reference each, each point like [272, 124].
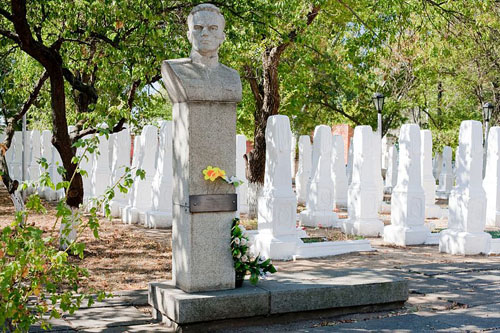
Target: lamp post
[378, 100]
[487, 109]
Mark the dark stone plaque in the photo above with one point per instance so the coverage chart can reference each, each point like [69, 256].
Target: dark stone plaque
[208, 203]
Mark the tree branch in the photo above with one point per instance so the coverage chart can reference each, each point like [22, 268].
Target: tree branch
[90, 91]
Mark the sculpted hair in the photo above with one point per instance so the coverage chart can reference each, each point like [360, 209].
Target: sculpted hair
[205, 7]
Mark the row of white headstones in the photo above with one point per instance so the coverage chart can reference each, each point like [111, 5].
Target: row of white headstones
[412, 195]
[322, 181]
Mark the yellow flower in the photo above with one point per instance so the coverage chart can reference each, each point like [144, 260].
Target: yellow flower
[212, 173]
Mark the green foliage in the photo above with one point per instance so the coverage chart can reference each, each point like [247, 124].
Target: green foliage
[37, 280]
[257, 266]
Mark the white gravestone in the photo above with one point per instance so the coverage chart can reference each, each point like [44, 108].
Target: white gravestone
[293, 151]
[428, 181]
[242, 190]
[467, 204]
[160, 215]
[350, 157]
[56, 176]
[130, 194]
[34, 157]
[48, 154]
[446, 176]
[437, 165]
[277, 236]
[120, 160]
[86, 164]
[385, 153]
[363, 191]
[321, 192]
[391, 175]
[491, 182]
[408, 198]
[142, 193]
[101, 174]
[15, 168]
[204, 94]
[339, 172]
[377, 168]
[304, 169]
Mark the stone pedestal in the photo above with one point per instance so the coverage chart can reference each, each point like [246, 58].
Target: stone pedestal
[204, 114]
[408, 198]
[428, 181]
[339, 172]
[304, 170]
[363, 192]
[491, 182]
[446, 180]
[242, 190]
[120, 159]
[142, 195]
[391, 175]
[160, 214]
[467, 204]
[320, 198]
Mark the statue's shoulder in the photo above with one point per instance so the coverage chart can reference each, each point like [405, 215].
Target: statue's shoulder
[230, 71]
[176, 66]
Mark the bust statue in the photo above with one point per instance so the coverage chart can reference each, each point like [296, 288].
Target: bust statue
[201, 77]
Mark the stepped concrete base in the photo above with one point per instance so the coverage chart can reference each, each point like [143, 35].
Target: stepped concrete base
[300, 292]
[435, 212]
[368, 228]
[432, 239]
[292, 247]
[495, 246]
[385, 208]
[116, 207]
[442, 194]
[410, 235]
[158, 220]
[464, 243]
[319, 218]
[325, 249]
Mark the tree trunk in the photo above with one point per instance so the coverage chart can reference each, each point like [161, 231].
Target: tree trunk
[266, 106]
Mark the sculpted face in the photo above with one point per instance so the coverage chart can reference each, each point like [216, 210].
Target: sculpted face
[206, 32]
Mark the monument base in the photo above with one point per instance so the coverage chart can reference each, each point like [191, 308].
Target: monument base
[406, 235]
[494, 220]
[363, 227]
[340, 291]
[384, 208]
[341, 205]
[276, 248]
[130, 215]
[464, 243]
[158, 220]
[440, 194]
[434, 212]
[116, 207]
[319, 218]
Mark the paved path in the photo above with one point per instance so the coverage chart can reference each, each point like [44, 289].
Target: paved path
[446, 293]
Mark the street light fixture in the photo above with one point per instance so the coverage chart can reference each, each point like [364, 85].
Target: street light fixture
[378, 101]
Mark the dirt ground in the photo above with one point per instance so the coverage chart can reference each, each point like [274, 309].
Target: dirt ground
[127, 257]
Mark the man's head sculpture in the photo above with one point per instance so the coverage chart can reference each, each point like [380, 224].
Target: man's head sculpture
[206, 29]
